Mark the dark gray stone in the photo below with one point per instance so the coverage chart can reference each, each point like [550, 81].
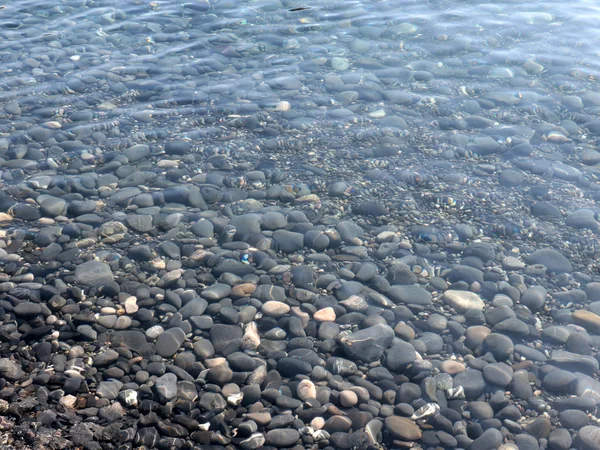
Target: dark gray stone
[368, 344]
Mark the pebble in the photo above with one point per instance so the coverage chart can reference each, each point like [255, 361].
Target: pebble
[93, 273]
[282, 438]
[463, 300]
[368, 344]
[169, 342]
[402, 428]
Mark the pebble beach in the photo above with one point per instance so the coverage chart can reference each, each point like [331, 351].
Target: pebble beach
[329, 225]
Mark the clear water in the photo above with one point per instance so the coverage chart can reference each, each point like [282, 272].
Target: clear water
[438, 91]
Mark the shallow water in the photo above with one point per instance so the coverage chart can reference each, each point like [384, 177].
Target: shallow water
[360, 80]
[384, 165]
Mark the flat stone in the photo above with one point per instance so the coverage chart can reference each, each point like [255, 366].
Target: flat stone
[141, 223]
[195, 307]
[463, 301]
[27, 310]
[226, 339]
[93, 273]
[368, 344]
[402, 428]
[410, 295]
[554, 260]
[282, 438]
[575, 362]
[325, 315]
[499, 374]
[105, 358]
[275, 309]
[587, 319]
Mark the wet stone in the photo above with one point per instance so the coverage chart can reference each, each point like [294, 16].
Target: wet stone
[282, 438]
[368, 344]
[588, 438]
[94, 273]
[169, 342]
[402, 428]
[552, 259]
[463, 300]
[472, 382]
[166, 387]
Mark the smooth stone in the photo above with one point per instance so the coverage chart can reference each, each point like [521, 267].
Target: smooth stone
[282, 438]
[216, 292]
[587, 319]
[399, 356]
[290, 367]
[195, 307]
[93, 273]
[472, 382]
[139, 222]
[582, 219]
[499, 345]
[587, 387]
[498, 374]
[463, 301]
[465, 273]
[27, 310]
[288, 241]
[402, 428]
[538, 427]
[368, 344]
[560, 439]
[588, 438]
[105, 358]
[534, 298]
[169, 342]
[410, 295]
[554, 260]
[491, 439]
[575, 362]
[574, 419]
[275, 309]
[166, 387]
[559, 381]
[109, 389]
[348, 398]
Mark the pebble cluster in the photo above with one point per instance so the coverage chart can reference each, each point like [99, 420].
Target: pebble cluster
[285, 227]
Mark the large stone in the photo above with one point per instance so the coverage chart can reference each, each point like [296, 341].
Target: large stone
[588, 438]
[368, 344]
[554, 260]
[93, 273]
